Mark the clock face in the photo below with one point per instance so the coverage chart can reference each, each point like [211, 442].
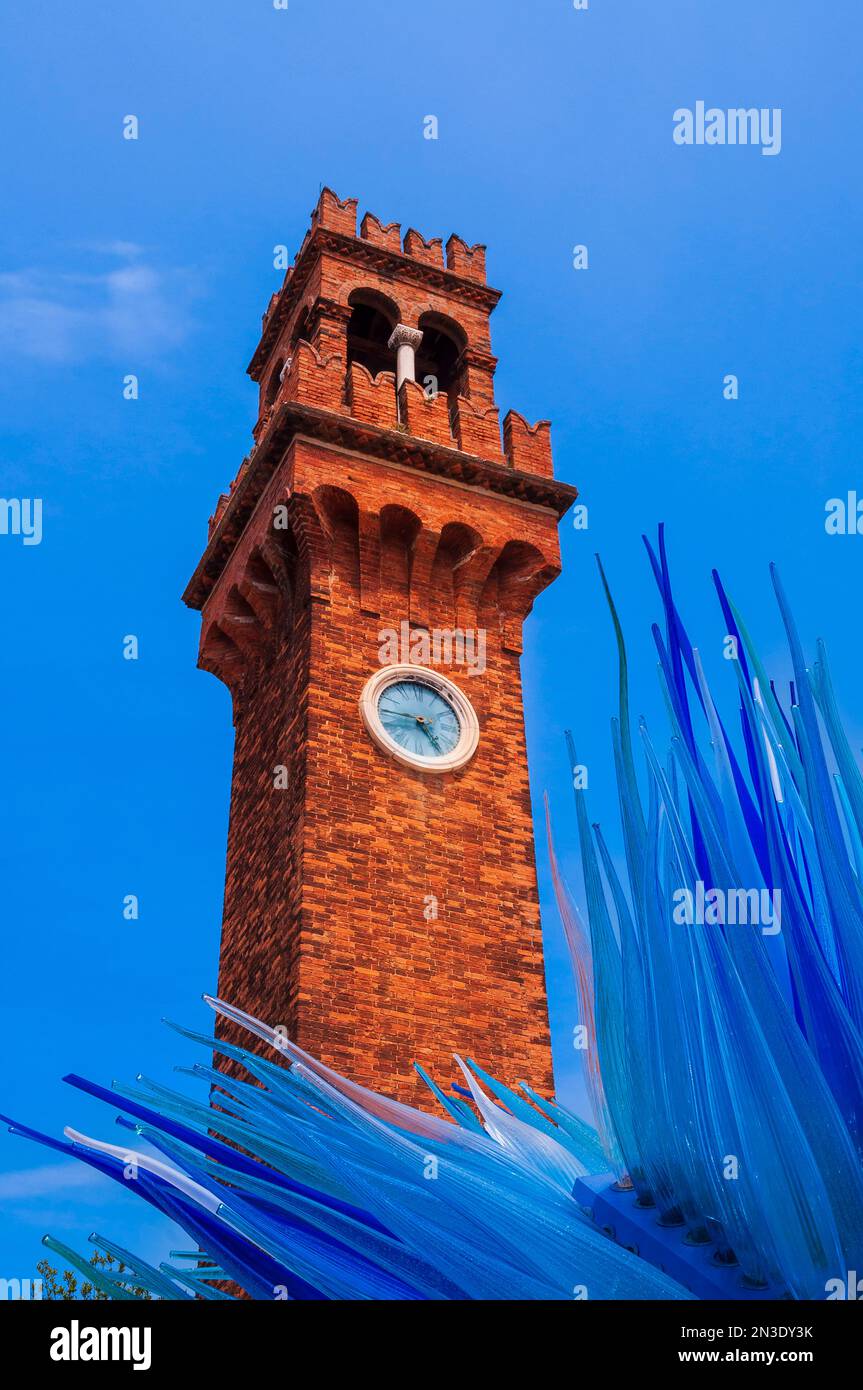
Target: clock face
[418, 718]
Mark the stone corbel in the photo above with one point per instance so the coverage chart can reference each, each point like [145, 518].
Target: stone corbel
[313, 544]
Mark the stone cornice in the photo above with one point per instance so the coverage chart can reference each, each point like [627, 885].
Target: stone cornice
[291, 419]
[377, 258]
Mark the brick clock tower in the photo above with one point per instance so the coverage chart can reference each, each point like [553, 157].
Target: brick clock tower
[362, 594]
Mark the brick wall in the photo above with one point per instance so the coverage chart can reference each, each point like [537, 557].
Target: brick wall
[325, 926]
[329, 928]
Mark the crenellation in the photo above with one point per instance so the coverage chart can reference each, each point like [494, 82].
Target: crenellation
[319, 309]
[429, 252]
[528, 447]
[424, 416]
[335, 214]
[373, 230]
[477, 428]
[313, 378]
[372, 399]
[464, 260]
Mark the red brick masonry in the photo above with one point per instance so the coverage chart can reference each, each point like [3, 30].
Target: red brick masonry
[354, 512]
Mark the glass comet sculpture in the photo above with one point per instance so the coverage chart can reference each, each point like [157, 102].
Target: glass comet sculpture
[722, 1060]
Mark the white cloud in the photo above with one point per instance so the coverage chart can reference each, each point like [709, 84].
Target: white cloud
[27, 1183]
[131, 311]
[129, 250]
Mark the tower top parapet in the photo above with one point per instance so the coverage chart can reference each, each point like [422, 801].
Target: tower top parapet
[379, 345]
[456, 269]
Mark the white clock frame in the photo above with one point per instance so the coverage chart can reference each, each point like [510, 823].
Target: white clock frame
[464, 712]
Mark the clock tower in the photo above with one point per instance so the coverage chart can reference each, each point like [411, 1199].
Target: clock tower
[362, 595]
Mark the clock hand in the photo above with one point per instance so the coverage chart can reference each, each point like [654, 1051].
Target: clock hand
[444, 713]
[434, 743]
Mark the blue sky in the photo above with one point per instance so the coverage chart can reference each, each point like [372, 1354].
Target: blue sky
[155, 258]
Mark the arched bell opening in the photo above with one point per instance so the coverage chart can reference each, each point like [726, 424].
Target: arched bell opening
[370, 327]
[443, 343]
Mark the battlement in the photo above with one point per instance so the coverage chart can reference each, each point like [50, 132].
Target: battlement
[372, 399]
[426, 417]
[336, 214]
[389, 236]
[388, 332]
[364, 413]
[340, 216]
[528, 447]
[448, 419]
[454, 271]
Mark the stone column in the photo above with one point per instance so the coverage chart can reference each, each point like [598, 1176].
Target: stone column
[406, 341]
